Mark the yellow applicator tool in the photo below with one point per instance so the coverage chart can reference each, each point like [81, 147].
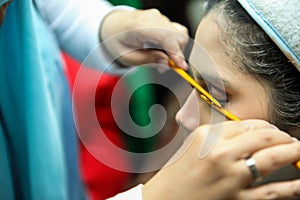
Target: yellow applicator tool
[204, 95]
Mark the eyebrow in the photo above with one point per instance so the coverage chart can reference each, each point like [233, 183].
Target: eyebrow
[212, 79]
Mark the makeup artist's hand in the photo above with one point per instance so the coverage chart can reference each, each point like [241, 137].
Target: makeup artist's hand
[133, 29]
[223, 174]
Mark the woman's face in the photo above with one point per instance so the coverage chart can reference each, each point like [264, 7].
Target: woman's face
[246, 97]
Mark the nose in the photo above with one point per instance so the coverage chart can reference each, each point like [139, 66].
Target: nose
[189, 115]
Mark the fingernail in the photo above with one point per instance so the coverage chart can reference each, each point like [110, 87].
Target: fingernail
[184, 64]
[295, 139]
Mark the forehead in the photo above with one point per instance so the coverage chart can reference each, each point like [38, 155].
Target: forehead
[211, 39]
[212, 57]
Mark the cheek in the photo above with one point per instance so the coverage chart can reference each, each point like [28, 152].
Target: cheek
[189, 115]
[206, 116]
[251, 108]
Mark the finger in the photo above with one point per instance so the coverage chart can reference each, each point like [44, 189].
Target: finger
[141, 56]
[280, 190]
[231, 129]
[174, 45]
[214, 138]
[253, 124]
[271, 159]
[171, 47]
[244, 145]
[169, 41]
[172, 37]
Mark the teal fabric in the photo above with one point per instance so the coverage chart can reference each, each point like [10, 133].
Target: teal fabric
[3, 2]
[38, 151]
[6, 184]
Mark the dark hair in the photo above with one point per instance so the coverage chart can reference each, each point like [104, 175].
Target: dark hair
[253, 51]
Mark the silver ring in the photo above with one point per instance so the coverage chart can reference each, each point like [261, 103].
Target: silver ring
[250, 163]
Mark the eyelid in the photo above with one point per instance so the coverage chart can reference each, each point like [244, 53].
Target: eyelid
[219, 94]
[192, 81]
[217, 89]
[208, 84]
[212, 101]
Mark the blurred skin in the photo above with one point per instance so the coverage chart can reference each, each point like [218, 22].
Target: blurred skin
[139, 28]
[3, 9]
[222, 173]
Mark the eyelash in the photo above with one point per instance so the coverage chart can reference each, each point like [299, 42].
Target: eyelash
[211, 88]
[223, 101]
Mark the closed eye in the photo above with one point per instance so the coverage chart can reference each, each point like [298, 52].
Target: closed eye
[219, 94]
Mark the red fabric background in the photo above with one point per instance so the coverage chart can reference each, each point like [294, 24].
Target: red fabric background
[101, 181]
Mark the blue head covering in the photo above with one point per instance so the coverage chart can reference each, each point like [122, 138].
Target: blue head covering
[38, 155]
[281, 21]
